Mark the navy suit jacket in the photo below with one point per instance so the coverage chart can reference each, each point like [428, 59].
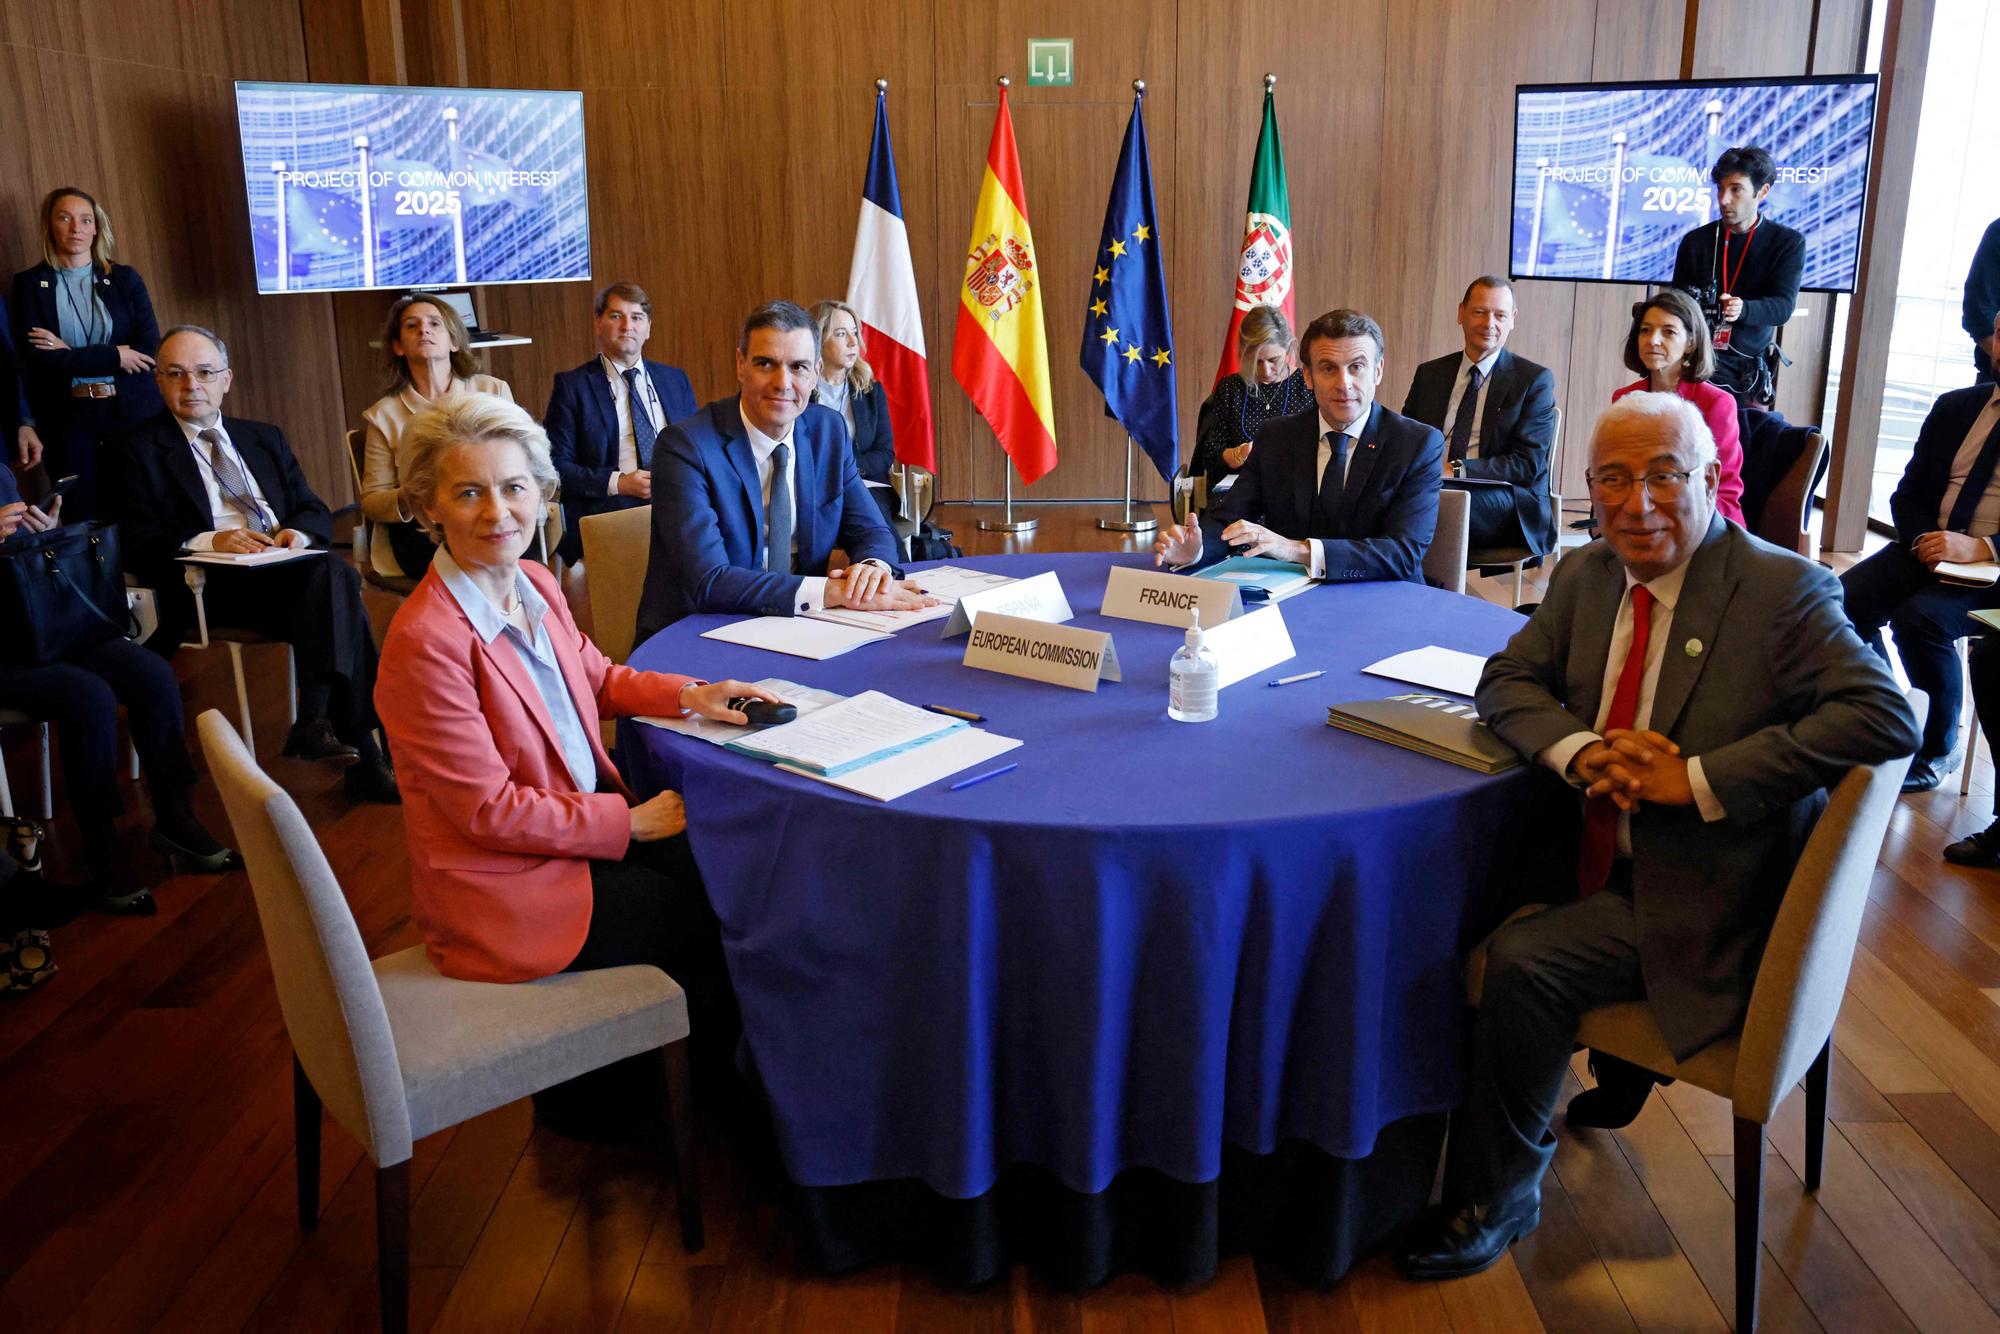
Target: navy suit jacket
[1516, 433]
[123, 292]
[1387, 513]
[582, 423]
[1915, 503]
[708, 516]
[13, 395]
[874, 441]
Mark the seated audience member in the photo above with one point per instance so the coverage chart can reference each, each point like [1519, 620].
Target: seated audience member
[81, 695]
[1981, 305]
[1946, 508]
[1749, 267]
[847, 384]
[85, 335]
[753, 492]
[603, 451]
[1698, 783]
[17, 419]
[1268, 384]
[1668, 344]
[425, 351]
[530, 854]
[1498, 415]
[194, 480]
[1350, 490]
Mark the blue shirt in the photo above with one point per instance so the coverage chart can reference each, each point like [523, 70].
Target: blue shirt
[537, 655]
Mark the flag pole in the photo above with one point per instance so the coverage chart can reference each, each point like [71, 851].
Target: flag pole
[1007, 523]
[1128, 524]
[284, 224]
[457, 212]
[367, 214]
[1535, 228]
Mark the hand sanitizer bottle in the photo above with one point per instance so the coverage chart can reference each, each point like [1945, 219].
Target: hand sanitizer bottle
[1192, 678]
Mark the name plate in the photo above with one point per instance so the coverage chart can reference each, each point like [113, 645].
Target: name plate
[1062, 655]
[1036, 599]
[1136, 594]
[1249, 644]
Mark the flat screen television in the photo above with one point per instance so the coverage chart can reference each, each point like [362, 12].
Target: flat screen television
[353, 188]
[1609, 176]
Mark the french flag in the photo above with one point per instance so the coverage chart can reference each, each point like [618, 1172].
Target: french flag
[882, 288]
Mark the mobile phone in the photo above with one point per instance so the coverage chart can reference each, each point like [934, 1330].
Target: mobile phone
[56, 492]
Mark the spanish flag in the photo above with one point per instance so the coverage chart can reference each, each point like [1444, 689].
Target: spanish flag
[1000, 352]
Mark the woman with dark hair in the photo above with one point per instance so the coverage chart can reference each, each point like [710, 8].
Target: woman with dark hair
[428, 357]
[1267, 385]
[86, 342]
[847, 384]
[1669, 345]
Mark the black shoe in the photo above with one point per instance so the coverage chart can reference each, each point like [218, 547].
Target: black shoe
[372, 782]
[213, 861]
[1980, 849]
[1926, 774]
[1459, 1241]
[313, 739]
[1620, 1095]
[127, 902]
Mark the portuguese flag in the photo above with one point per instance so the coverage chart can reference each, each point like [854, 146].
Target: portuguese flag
[1264, 266]
[1000, 349]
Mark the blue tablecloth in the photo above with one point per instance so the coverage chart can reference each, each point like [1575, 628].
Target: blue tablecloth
[1150, 939]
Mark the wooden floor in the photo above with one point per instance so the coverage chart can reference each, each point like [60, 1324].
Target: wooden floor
[146, 1176]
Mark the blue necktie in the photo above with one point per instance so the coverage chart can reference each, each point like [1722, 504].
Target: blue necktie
[778, 527]
[1976, 482]
[1461, 422]
[643, 431]
[1326, 506]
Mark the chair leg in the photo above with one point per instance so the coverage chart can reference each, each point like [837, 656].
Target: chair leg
[242, 697]
[1749, 1220]
[1520, 570]
[1818, 1076]
[48, 785]
[680, 1125]
[305, 1140]
[1971, 723]
[392, 1245]
[291, 687]
[6, 792]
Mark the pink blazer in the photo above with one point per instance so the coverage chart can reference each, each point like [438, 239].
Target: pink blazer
[1718, 408]
[500, 838]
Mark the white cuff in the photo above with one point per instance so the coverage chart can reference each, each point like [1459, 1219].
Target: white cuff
[611, 482]
[1558, 756]
[811, 595]
[201, 541]
[1705, 799]
[1315, 559]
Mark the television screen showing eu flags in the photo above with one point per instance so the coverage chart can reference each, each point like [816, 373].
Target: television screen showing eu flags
[355, 187]
[1609, 177]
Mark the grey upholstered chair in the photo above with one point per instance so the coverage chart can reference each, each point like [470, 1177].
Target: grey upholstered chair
[617, 546]
[395, 1050]
[1444, 560]
[1787, 1034]
[1518, 557]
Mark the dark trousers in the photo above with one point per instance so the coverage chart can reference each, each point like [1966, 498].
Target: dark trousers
[81, 697]
[70, 448]
[1982, 365]
[1894, 588]
[1985, 673]
[314, 604]
[1491, 518]
[412, 547]
[1542, 974]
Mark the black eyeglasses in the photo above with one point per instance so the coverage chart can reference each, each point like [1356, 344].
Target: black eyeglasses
[1664, 485]
[199, 374]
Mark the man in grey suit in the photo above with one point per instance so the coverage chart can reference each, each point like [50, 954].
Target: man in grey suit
[1701, 688]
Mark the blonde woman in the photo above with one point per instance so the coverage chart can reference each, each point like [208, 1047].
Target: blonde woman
[847, 384]
[1266, 386]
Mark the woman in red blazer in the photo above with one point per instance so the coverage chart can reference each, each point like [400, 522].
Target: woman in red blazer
[529, 856]
[1669, 345]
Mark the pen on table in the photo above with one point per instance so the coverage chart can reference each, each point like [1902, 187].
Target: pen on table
[1293, 680]
[954, 713]
[980, 778]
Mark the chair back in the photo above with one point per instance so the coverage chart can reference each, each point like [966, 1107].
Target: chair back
[1788, 509]
[362, 528]
[326, 986]
[1804, 971]
[1444, 563]
[616, 548]
[1555, 468]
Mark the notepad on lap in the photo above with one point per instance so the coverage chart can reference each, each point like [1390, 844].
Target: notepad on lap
[266, 556]
[1972, 573]
[800, 636]
[859, 730]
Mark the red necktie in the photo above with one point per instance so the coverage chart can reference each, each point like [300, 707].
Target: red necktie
[1600, 814]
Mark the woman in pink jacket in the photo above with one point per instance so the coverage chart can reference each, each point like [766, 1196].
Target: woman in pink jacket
[1669, 345]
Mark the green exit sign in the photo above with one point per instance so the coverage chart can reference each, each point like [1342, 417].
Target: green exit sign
[1049, 64]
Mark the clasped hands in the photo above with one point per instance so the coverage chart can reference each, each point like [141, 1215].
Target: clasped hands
[870, 587]
[1631, 767]
[1180, 544]
[664, 814]
[243, 541]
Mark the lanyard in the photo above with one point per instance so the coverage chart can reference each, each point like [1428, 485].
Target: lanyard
[248, 506]
[1728, 278]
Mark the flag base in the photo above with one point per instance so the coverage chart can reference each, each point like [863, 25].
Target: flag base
[1009, 525]
[1128, 525]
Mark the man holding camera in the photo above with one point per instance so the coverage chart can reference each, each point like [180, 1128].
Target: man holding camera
[1745, 271]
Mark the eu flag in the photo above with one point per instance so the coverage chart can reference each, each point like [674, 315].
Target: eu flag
[1128, 337]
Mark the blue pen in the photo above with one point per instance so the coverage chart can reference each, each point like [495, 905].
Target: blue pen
[980, 778]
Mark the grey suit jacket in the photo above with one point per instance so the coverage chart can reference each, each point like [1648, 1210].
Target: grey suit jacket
[1766, 682]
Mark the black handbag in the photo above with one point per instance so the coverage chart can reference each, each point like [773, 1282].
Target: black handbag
[61, 591]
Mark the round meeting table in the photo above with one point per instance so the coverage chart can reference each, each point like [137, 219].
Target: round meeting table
[1163, 993]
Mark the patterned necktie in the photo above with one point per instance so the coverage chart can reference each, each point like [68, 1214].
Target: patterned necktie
[1600, 814]
[643, 430]
[233, 481]
[1461, 423]
[1976, 482]
[778, 527]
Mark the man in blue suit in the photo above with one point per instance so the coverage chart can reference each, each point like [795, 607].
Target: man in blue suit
[752, 493]
[1350, 490]
[601, 447]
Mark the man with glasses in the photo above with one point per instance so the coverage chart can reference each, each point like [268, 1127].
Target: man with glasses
[192, 480]
[1699, 689]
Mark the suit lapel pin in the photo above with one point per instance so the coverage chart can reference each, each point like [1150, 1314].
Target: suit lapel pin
[45, 283]
[1692, 648]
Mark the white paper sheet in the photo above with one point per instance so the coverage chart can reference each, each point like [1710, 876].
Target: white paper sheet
[1433, 668]
[846, 734]
[946, 583]
[805, 698]
[268, 556]
[800, 636]
[900, 775]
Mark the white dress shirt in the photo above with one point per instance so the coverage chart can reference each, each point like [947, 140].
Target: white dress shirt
[1465, 365]
[222, 516]
[1986, 519]
[621, 405]
[1316, 549]
[1666, 591]
[812, 588]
